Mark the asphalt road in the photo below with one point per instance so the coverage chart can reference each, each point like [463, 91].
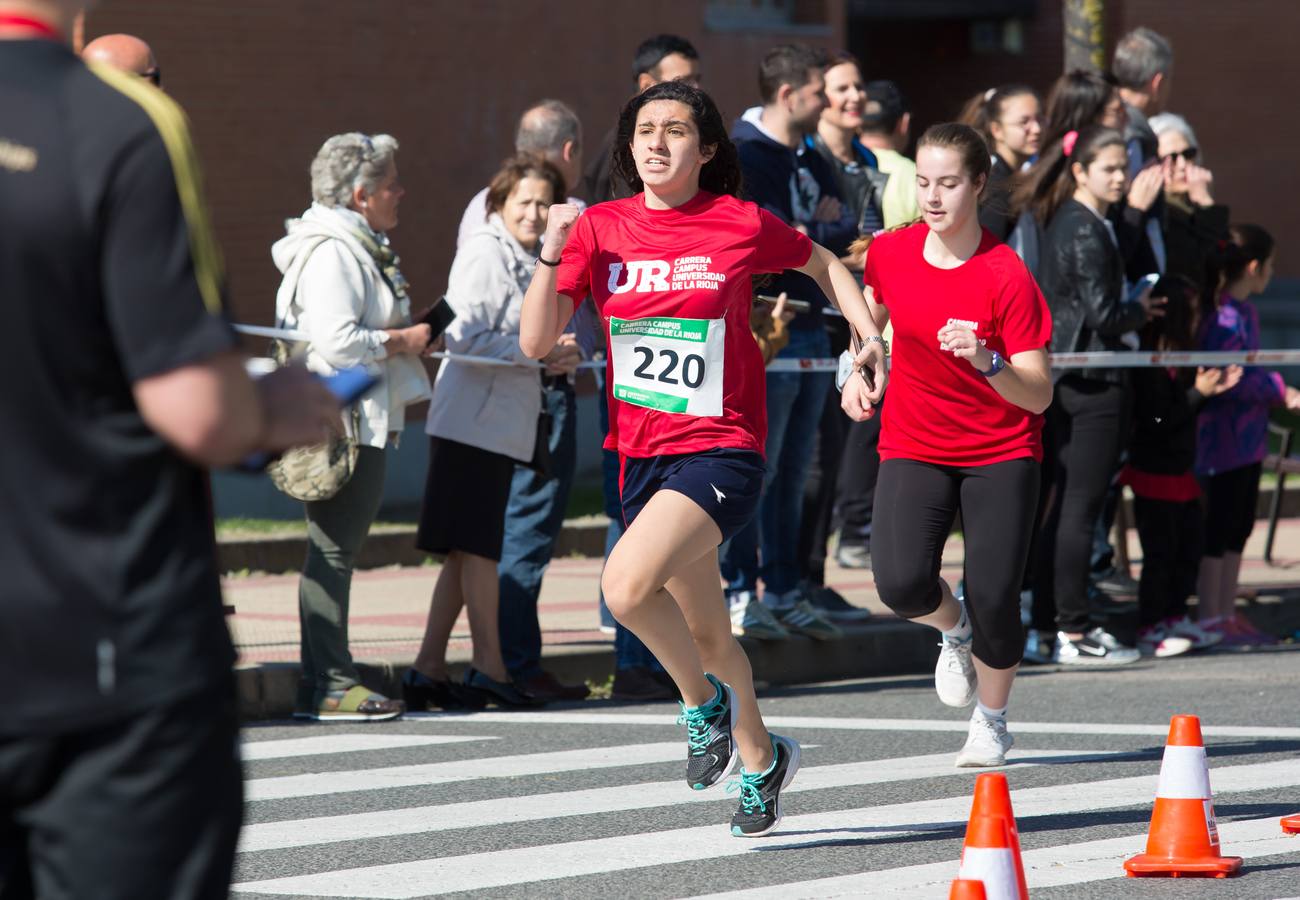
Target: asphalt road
[588, 800]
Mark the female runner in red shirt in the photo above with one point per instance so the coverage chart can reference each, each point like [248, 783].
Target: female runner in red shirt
[962, 431]
[669, 269]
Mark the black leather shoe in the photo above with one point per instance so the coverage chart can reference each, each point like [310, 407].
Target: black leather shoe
[421, 693]
[502, 693]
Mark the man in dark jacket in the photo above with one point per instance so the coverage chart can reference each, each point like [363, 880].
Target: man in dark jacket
[785, 177]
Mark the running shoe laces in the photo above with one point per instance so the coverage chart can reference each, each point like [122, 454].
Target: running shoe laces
[699, 722]
[747, 784]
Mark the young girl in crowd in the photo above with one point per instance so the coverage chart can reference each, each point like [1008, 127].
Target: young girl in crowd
[961, 430]
[1232, 437]
[1082, 275]
[1162, 453]
[669, 269]
[1009, 118]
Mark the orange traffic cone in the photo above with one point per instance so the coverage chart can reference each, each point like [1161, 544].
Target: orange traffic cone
[1291, 824]
[987, 857]
[967, 889]
[1184, 839]
[993, 798]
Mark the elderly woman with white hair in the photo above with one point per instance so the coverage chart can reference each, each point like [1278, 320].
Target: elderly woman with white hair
[1194, 224]
[342, 286]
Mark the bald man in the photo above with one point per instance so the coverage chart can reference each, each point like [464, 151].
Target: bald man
[126, 52]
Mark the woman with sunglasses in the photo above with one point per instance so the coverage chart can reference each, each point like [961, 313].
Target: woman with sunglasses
[1194, 225]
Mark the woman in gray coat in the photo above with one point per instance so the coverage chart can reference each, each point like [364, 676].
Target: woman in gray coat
[342, 286]
[482, 421]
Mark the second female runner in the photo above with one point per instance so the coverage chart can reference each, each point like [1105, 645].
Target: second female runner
[669, 269]
[962, 431]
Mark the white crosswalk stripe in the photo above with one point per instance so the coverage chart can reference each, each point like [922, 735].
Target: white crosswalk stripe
[531, 853]
[347, 743]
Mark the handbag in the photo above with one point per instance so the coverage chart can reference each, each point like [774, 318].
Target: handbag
[541, 462]
[318, 471]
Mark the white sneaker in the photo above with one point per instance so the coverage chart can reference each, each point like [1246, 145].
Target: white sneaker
[1098, 648]
[954, 673]
[987, 743]
[1155, 641]
[1201, 638]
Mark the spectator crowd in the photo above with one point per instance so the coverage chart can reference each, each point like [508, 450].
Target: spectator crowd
[1096, 184]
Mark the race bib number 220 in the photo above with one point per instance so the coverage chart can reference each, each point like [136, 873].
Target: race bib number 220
[671, 365]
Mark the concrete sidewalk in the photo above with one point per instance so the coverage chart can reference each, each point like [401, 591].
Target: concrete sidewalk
[389, 608]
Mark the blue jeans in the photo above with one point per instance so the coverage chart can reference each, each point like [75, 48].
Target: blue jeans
[795, 401]
[629, 652]
[534, 518]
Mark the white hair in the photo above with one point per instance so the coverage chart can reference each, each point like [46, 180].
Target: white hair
[348, 161]
[1170, 122]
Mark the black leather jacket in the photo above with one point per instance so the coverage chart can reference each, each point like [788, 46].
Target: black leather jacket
[1081, 273]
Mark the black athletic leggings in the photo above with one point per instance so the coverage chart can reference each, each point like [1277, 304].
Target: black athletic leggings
[915, 506]
[1230, 499]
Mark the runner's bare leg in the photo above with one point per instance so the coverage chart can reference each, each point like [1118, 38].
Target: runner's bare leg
[674, 543]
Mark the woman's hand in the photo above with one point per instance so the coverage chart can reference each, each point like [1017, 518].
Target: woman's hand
[1154, 307]
[1292, 399]
[413, 340]
[961, 342]
[564, 356]
[778, 309]
[1213, 382]
[1146, 187]
[1199, 182]
[559, 224]
[857, 400]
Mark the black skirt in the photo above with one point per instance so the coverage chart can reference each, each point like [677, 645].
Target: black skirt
[465, 497]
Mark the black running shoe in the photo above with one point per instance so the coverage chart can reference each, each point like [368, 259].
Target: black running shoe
[711, 751]
[760, 793]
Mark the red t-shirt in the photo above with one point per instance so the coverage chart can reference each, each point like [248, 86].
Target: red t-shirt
[940, 410]
[673, 289]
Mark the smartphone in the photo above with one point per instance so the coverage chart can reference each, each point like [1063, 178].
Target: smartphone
[797, 306]
[437, 317]
[855, 347]
[1142, 284]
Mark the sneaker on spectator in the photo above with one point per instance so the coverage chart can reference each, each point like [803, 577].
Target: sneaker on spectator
[1247, 627]
[1097, 648]
[831, 604]
[1117, 584]
[1201, 638]
[1155, 641]
[853, 556]
[750, 618]
[1235, 634]
[1039, 646]
[803, 619]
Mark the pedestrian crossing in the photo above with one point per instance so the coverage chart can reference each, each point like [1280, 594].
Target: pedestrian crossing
[598, 806]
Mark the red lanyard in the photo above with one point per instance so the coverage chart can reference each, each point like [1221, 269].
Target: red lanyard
[42, 29]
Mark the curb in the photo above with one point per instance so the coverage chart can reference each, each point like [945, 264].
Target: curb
[276, 555]
[881, 647]
[885, 647]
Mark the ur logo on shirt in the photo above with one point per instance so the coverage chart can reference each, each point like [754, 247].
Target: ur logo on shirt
[643, 276]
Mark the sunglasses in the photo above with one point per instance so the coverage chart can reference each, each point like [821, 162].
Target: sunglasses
[1188, 155]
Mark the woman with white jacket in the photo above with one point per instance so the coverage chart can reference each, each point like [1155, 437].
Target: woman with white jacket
[342, 287]
[482, 421]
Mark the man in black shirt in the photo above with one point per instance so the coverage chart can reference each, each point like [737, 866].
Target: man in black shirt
[121, 380]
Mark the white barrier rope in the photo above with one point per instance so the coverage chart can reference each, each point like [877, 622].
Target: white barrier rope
[1095, 360]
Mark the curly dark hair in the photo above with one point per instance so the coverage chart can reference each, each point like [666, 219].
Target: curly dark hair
[720, 175]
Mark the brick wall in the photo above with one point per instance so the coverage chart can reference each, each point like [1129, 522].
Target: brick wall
[266, 81]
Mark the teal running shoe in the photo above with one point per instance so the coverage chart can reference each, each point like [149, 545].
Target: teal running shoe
[760, 792]
[711, 751]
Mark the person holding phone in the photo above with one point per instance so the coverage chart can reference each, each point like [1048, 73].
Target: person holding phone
[342, 285]
[1072, 188]
[484, 419]
[669, 269]
[962, 429]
